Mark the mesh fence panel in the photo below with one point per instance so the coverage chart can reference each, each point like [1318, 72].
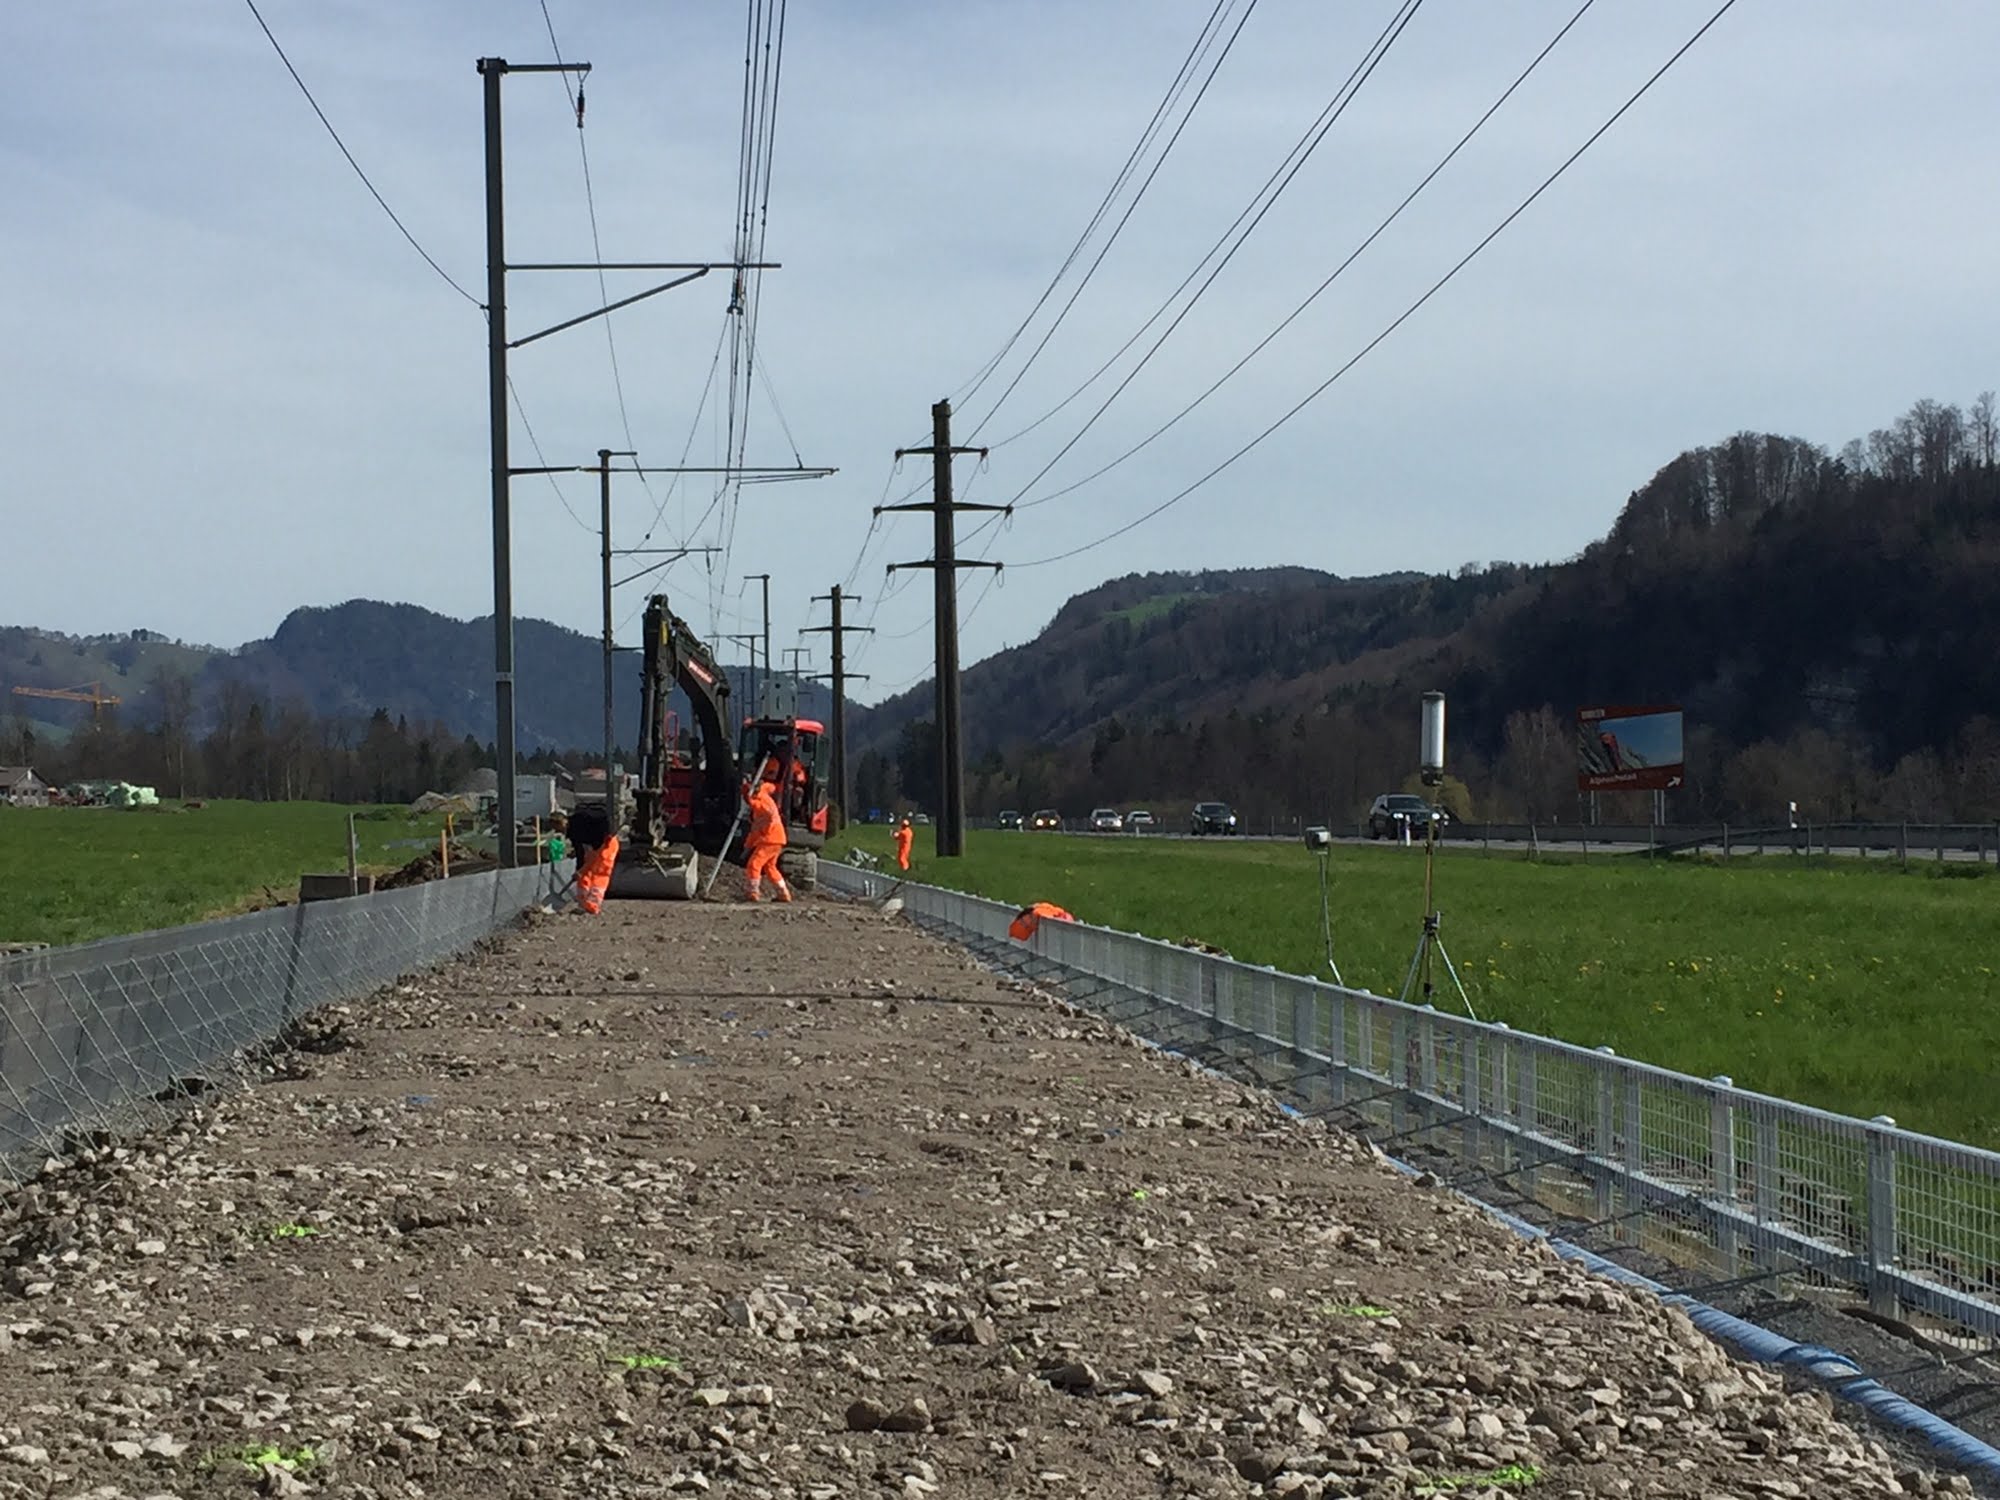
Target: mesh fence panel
[93, 1034]
[1713, 1174]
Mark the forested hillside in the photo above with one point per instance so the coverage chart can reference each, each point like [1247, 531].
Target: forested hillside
[1827, 618]
[361, 699]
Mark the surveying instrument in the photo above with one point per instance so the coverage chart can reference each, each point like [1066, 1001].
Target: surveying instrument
[1430, 943]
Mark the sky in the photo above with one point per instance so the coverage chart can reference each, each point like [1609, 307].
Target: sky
[234, 388]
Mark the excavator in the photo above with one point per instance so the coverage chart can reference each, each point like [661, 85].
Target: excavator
[688, 803]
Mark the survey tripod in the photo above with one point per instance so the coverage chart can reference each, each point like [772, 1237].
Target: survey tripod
[1430, 943]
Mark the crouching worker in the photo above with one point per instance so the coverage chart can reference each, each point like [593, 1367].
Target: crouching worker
[1030, 918]
[596, 853]
[764, 842]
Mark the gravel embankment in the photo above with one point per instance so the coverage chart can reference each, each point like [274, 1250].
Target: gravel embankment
[795, 1202]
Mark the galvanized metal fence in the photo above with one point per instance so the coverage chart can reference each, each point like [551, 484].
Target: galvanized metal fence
[92, 1034]
[1708, 1174]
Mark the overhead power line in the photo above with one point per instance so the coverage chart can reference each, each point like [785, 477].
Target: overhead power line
[1291, 317]
[1287, 171]
[1408, 312]
[429, 260]
[576, 103]
[1161, 112]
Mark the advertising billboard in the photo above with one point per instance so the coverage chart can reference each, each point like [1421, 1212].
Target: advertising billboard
[1623, 749]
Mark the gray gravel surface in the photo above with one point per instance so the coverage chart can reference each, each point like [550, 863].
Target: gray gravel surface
[795, 1202]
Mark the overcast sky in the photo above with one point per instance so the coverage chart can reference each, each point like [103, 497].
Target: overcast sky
[233, 388]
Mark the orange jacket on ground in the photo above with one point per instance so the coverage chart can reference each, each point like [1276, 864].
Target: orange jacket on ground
[1023, 926]
[593, 876]
[767, 824]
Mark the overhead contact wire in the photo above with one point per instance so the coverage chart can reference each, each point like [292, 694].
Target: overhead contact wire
[1407, 313]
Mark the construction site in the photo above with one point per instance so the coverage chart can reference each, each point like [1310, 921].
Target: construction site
[796, 1201]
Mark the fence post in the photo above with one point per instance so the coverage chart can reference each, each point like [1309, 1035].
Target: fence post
[1882, 1215]
[1939, 841]
[353, 859]
[1399, 1069]
[1635, 1152]
[1504, 1103]
[1530, 1115]
[1725, 842]
[1765, 1171]
[1603, 1143]
[1336, 1042]
[1722, 1164]
[1468, 1091]
[1903, 844]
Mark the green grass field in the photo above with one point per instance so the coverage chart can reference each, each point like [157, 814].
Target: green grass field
[1858, 988]
[70, 874]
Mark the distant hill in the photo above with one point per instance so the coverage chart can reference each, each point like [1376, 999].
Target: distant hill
[1828, 620]
[345, 662]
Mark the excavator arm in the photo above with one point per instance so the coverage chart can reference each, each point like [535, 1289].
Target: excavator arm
[674, 656]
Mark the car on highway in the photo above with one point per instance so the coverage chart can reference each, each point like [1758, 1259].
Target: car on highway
[1394, 812]
[1010, 819]
[1138, 820]
[1106, 820]
[1046, 817]
[1211, 817]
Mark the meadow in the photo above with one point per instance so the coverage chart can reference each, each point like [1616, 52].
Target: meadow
[1860, 988]
[71, 874]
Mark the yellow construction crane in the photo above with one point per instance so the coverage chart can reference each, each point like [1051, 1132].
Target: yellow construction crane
[91, 692]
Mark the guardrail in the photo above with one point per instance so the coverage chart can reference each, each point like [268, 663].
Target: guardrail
[93, 1033]
[1698, 1170]
[1907, 841]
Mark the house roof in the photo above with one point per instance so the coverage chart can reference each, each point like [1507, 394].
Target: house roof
[11, 776]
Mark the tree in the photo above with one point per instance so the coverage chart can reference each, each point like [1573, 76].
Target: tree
[873, 786]
[1537, 762]
[917, 769]
[173, 701]
[1983, 434]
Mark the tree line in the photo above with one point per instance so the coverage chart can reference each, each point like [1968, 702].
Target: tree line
[1826, 618]
[234, 742]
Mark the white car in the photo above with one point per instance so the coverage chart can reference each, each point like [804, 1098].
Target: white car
[1106, 820]
[1140, 821]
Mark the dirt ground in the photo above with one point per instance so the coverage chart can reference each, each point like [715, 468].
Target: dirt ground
[796, 1202]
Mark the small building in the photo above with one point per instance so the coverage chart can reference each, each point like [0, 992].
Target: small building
[21, 787]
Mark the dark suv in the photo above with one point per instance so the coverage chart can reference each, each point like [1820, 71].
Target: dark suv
[1211, 817]
[1395, 811]
[1010, 819]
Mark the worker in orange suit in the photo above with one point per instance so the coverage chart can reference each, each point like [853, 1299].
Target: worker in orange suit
[905, 836]
[593, 874]
[1030, 917]
[764, 842]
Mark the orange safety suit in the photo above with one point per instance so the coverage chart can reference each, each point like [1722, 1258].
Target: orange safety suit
[905, 836]
[593, 875]
[764, 843]
[1030, 917]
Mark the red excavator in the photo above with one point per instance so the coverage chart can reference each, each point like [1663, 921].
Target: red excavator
[689, 798]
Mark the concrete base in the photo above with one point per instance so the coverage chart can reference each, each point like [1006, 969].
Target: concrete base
[333, 887]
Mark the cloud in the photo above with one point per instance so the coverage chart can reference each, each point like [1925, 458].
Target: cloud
[236, 389]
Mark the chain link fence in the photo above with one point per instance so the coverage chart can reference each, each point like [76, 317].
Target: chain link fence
[1704, 1173]
[93, 1034]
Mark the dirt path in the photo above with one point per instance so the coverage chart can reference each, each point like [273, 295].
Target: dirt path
[792, 1201]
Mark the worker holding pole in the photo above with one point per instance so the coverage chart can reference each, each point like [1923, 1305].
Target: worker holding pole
[764, 842]
[905, 836]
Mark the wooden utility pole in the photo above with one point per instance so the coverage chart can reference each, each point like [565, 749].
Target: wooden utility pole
[944, 565]
[839, 631]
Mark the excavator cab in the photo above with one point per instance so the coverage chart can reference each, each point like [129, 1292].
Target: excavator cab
[792, 753]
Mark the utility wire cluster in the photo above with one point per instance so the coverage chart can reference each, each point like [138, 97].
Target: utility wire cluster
[730, 409]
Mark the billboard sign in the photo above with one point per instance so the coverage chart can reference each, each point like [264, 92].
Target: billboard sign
[1622, 749]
